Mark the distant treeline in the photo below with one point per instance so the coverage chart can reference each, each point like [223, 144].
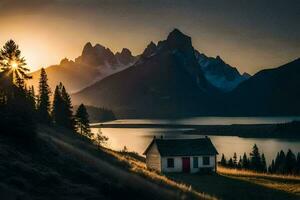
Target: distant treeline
[281, 130]
[287, 164]
[21, 109]
[97, 114]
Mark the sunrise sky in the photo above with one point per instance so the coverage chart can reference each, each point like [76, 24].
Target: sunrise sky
[249, 36]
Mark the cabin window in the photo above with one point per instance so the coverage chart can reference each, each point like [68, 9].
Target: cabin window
[195, 162]
[206, 160]
[170, 162]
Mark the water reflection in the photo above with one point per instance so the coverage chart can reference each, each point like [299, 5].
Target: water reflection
[137, 139]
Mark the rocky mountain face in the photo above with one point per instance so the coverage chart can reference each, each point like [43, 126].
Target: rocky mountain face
[172, 79]
[219, 73]
[165, 80]
[95, 63]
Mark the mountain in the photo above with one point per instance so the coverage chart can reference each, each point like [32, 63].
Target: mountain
[165, 81]
[220, 74]
[95, 63]
[269, 92]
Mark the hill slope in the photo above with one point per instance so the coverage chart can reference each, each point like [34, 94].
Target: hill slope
[269, 92]
[74, 169]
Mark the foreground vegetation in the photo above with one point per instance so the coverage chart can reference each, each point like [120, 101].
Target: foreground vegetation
[286, 164]
[74, 168]
[227, 184]
[286, 183]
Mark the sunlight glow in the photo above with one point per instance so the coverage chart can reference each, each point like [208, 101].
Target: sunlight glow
[14, 65]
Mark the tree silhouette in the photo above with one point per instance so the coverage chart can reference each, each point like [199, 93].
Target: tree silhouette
[298, 164]
[82, 119]
[57, 110]
[290, 162]
[230, 163]
[12, 63]
[255, 159]
[234, 159]
[32, 98]
[62, 108]
[17, 104]
[263, 163]
[67, 109]
[44, 98]
[223, 160]
[239, 165]
[245, 162]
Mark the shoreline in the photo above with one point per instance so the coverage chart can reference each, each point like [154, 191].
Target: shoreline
[281, 130]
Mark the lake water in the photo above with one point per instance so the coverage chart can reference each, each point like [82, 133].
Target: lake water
[137, 139]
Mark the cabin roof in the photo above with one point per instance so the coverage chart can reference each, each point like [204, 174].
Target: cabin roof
[183, 147]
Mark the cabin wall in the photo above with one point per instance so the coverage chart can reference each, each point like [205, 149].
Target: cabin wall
[178, 163]
[153, 159]
[212, 163]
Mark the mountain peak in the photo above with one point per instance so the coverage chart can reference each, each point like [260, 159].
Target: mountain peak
[150, 49]
[87, 48]
[177, 40]
[176, 31]
[126, 51]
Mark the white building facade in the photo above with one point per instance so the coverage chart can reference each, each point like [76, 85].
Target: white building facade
[182, 155]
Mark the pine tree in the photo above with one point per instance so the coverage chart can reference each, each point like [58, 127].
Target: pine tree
[16, 109]
[223, 160]
[67, 109]
[245, 162]
[44, 98]
[263, 163]
[239, 165]
[255, 159]
[32, 99]
[82, 119]
[62, 108]
[230, 163]
[57, 109]
[234, 159]
[282, 163]
[12, 63]
[298, 163]
[290, 162]
[271, 167]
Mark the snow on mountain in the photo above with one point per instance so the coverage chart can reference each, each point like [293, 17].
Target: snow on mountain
[220, 74]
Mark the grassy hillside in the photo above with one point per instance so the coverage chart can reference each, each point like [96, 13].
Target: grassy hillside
[286, 183]
[62, 165]
[236, 185]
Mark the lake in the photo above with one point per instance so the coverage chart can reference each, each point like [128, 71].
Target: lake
[137, 139]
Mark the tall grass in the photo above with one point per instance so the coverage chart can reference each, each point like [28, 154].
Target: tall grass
[140, 168]
[243, 172]
[287, 183]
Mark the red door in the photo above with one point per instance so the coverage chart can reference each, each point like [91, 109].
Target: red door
[186, 164]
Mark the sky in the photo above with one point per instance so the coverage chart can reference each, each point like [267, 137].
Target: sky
[250, 35]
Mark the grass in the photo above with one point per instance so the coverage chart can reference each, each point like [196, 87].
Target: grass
[227, 184]
[74, 168]
[138, 166]
[287, 183]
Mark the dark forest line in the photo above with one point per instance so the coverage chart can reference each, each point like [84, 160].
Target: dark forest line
[282, 130]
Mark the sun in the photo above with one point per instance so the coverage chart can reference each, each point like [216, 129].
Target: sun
[14, 65]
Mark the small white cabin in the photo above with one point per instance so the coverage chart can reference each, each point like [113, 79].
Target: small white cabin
[181, 155]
